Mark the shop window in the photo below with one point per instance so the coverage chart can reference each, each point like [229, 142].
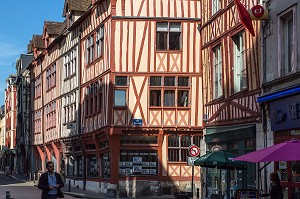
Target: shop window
[168, 36]
[295, 171]
[71, 162]
[106, 165]
[138, 162]
[139, 140]
[80, 166]
[92, 166]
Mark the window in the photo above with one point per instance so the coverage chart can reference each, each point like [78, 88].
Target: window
[120, 91]
[217, 72]
[175, 91]
[89, 49]
[69, 113]
[168, 36]
[178, 146]
[216, 5]
[239, 63]
[100, 41]
[93, 98]
[92, 166]
[37, 87]
[287, 47]
[51, 76]
[50, 111]
[70, 62]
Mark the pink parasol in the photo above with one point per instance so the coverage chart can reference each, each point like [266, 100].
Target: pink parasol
[286, 151]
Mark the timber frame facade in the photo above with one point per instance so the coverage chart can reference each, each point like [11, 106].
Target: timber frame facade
[231, 83]
[134, 127]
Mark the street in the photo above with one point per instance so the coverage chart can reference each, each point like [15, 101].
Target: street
[18, 189]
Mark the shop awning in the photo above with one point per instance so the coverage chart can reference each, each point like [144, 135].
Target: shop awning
[279, 94]
[227, 133]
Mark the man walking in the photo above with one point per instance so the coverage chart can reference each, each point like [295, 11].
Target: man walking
[50, 182]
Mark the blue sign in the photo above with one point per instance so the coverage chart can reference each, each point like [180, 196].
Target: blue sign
[137, 121]
[285, 113]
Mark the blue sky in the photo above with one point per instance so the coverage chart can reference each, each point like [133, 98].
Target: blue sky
[19, 20]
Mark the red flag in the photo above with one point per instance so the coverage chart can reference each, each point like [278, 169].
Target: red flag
[244, 16]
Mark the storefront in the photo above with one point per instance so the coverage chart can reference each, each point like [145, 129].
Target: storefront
[238, 140]
[285, 123]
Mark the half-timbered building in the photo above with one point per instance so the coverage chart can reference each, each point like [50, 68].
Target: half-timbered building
[46, 95]
[140, 95]
[69, 84]
[37, 139]
[231, 84]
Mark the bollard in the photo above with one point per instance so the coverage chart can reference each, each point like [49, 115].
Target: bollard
[197, 193]
[7, 195]
[69, 185]
[34, 177]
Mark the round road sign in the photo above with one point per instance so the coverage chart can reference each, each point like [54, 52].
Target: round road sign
[194, 150]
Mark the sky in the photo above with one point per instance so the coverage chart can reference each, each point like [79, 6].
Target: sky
[19, 20]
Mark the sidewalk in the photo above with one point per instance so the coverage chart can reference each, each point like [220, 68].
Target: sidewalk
[79, 193]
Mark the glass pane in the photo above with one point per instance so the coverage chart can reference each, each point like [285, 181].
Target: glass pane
[296, 171]
[183, 81]
[186, 141]
[173, 141]
[121, 81]
[162, 27]
[120, 97]
[155, 98]
[169, 81]
[155, 81]
[174, 40]
[175, 27]
[169, 98]
[183, 98]
[161, 40]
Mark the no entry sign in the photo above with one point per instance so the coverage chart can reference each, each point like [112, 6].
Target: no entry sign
[194, 150]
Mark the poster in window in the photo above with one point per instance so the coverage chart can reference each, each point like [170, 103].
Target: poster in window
[137, 168]
[128, 164]
[122, 171]
[137, 160]
[122, 164]
[128, 171]
[146, 171]
[153, 171]
[145, 164]
[152, 164]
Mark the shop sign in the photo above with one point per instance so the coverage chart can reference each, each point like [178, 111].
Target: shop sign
[285, 113]
[258, 12]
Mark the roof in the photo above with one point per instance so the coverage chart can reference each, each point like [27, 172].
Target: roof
[76, 5]
[54, 28]
[37, 41]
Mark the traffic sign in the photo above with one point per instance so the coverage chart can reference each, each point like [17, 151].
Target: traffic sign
[191, 160]
[194, 150]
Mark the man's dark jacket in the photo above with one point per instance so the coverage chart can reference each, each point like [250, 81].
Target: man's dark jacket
[43, 185]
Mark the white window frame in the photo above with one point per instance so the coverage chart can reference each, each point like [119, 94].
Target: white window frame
[283, 48]
[217, 72]
[239, 63]
[215, 6]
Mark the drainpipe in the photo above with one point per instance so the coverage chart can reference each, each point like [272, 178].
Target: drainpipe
[80, 105]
